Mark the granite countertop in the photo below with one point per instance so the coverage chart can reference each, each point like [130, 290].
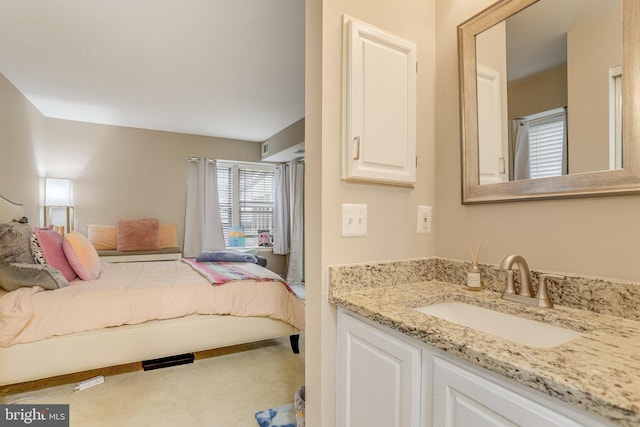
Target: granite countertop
[598, 371]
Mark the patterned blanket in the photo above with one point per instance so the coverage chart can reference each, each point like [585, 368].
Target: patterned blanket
[219, 273]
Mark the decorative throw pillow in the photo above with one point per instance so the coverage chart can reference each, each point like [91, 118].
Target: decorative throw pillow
[82, 256]
[15, 242]
[168, 236]
[51, 244]
[36, 250]
[226, 256]
[17, 275]
[138, 234]
[103, 237]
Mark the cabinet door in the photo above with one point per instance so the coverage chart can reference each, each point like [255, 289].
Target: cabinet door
[492, 138]
[462, 399]
[380, 106]
[378, 377]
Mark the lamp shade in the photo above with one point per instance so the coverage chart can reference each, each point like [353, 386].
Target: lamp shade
[58, 192]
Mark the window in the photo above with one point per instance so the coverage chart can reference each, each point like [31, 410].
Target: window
[547, 151]
[246, 198]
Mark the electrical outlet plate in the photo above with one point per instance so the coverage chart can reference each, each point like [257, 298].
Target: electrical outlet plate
[354, 220]
[424, 220]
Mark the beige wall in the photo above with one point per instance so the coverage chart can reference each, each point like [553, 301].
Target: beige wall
[392, 211]
[118, 172]
[541, 92]
[592, 49]
[591, 236]
[121, 172]
[286, 138]
[21, 145]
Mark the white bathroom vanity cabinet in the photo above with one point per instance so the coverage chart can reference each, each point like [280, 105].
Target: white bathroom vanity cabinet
[387, 379]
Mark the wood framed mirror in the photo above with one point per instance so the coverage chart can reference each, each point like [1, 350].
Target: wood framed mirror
[493, 107]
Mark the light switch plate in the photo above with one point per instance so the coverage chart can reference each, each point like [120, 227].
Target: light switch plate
[424, 219]
[354, 220]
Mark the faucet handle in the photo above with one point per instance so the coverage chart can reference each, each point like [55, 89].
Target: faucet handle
[543, 293]
[511, 287]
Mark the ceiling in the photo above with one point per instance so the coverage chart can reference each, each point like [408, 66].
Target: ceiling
[224, 68]
[537, 35]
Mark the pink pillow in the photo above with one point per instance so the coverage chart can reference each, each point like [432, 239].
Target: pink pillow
[82, 256]
[51, 245]
[138, 234]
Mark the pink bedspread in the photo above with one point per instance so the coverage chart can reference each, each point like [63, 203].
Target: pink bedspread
[136, 292]
[221, 272]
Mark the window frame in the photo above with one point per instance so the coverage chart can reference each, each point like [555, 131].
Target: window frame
[234, 195]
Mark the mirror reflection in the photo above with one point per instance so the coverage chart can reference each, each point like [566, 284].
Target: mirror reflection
[549, 91]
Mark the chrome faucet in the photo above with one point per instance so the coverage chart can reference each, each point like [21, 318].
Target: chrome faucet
[525, 293]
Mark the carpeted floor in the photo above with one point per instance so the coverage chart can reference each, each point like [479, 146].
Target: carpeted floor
[223, 388]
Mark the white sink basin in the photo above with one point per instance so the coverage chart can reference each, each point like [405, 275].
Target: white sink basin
[507, 326]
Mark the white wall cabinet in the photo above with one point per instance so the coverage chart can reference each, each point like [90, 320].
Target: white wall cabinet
[377, 370]
[379, 116]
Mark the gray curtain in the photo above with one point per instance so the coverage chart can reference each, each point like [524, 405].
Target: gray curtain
[282, 212]
[289, 218]
[295, 268]
[202, 226]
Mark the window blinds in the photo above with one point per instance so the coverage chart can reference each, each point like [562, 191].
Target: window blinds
[256, 189]
[246, 198]
[546, 145]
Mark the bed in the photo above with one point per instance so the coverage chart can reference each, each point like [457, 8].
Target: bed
[127, 294]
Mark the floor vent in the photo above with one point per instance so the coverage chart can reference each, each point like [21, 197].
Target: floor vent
[165, 362]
